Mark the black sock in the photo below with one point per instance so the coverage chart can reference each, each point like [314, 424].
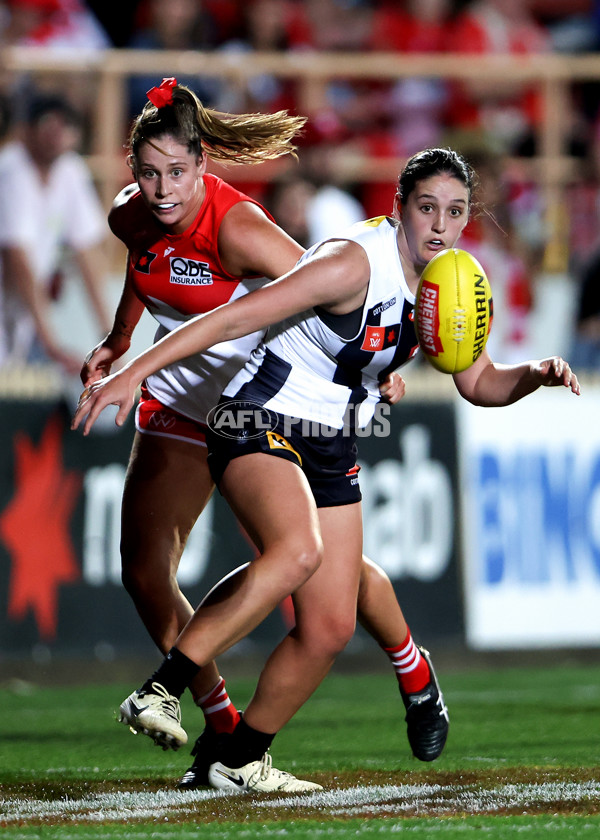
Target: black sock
[244, 745]
[175, 673]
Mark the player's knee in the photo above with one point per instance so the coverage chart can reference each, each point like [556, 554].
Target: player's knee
[139, 579]
[341, 632]
[305, 560]
[332, 633]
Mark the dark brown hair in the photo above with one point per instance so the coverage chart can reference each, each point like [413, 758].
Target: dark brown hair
[431, 162]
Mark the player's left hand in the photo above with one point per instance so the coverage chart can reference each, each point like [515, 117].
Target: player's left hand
[117, 389]
[555, 371]
[393, 388]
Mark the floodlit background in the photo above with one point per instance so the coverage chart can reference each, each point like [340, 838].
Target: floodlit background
[487, 521]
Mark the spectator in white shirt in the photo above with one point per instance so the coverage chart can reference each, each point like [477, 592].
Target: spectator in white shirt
[48, 203]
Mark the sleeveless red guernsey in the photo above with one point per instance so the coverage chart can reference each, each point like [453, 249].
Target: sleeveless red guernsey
[178, 276]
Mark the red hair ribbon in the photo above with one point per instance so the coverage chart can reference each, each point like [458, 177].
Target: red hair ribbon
[163, 94]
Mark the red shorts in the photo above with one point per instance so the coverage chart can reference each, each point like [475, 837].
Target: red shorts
[154, 418]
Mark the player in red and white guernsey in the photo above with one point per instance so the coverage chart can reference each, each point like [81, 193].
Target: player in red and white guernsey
[179, 275]
[290, 488]
[194, 243]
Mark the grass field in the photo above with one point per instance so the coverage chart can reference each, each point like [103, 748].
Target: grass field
[523, 759]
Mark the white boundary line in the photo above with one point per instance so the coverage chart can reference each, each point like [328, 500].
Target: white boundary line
[404, 800]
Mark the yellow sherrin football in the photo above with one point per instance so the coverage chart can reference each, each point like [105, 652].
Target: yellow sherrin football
[453, 311]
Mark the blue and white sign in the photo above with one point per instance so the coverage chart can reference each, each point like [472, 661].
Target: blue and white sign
[530, 475]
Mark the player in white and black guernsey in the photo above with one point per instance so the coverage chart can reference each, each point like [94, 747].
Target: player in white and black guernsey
[343, 318]
[319, 374]
[327, 368]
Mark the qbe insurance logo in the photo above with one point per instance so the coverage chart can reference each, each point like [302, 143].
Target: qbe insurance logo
[241, 420]
[188, 272]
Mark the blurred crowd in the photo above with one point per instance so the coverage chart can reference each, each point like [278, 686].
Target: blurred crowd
[495, 124]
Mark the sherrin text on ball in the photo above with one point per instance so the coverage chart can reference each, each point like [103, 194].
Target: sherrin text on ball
[453, 311]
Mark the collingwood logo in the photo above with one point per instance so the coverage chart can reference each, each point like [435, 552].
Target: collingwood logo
[187, 272]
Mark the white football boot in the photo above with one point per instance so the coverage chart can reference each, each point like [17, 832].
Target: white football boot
[258, 776]
[154, 713]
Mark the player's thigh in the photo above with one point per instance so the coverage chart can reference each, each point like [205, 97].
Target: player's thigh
[272, 499]
[167, 486]
[330, 595]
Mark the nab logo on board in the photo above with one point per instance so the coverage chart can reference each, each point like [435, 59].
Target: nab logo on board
[187, 272]
[408, 507]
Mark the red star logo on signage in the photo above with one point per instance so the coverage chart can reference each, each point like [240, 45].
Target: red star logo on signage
[35, 529]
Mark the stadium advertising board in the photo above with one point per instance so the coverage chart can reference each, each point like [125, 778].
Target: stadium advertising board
[411, 515]
[531, 521]
[60, 495]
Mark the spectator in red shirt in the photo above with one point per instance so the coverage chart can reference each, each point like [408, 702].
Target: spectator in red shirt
[413, 110]
[503, 111]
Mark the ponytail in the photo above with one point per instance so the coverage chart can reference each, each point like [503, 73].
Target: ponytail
[234, 138]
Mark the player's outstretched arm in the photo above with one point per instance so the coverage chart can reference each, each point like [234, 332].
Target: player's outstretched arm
[343, 263]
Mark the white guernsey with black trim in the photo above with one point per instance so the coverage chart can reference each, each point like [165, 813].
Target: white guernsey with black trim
[326, 368]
